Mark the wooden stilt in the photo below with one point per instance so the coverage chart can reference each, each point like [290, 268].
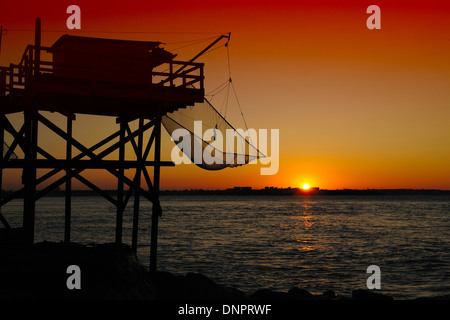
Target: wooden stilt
[120, 203]
[137, 194]
[2, 144]
[156, 210]
[68, 192]
[31, 130]
[29, 176]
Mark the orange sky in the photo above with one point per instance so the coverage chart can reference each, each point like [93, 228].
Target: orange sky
[356, 108]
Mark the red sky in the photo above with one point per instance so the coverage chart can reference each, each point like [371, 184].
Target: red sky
[356, 108]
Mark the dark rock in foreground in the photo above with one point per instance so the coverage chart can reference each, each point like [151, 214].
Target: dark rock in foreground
[113, 272]
[108, 271]
[329, 294]
[293, 294]
[369, 295]
[300, 293]
[193, 286]
[267, 294]
[443, 297]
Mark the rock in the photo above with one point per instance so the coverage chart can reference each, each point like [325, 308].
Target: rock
[443, 297]
[193, 286]
[11, 236]
[235, 294]
[361, 294]
[300, 294]
[168, 285]
[329, 294]
[198, 286]
[267, 294]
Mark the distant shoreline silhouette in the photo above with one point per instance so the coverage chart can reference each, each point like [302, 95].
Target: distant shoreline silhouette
[240, 191]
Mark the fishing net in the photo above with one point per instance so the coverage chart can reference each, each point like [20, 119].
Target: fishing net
[208, 139]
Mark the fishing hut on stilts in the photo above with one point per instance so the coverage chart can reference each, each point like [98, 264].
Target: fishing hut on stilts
[94, 76]
[127, 80]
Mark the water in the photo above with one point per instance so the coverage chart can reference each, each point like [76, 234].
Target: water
[314, 242]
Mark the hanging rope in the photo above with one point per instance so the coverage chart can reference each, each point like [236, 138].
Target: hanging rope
[234, 90]
[218, 89]
[226, 86]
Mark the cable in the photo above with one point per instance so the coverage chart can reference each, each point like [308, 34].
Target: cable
[131, 32]
[194, 42]
[237, 100]
[217, 89]
[214, 49]
[234, 90]
[229, 64]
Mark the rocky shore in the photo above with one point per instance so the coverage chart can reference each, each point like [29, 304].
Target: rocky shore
[112, 272]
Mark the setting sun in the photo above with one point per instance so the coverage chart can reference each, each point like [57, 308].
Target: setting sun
[306, 186]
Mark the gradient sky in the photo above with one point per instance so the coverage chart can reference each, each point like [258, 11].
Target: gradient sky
[356, 108]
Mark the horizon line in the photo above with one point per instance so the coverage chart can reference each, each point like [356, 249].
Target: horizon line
[243, 188]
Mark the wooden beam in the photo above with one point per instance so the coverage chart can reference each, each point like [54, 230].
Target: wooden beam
[82, 148]
[149, 145]
[127, 198]
[96, 189]
[23, 143]
[97, 157]
[2, 141]
[133, 142]
[12, 196]
[17, 164]
[148, 195]
[147, 179]
[60, 164]
[120, 207]
[177, 72]
[13, 145]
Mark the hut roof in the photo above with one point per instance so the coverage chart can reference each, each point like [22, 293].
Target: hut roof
[113, 47]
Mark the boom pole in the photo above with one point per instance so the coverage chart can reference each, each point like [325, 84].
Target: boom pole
[211, 45]
[175, 73]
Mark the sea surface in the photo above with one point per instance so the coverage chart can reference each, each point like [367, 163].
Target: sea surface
[318, 243]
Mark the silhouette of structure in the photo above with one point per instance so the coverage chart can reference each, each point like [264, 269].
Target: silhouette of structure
[128, 80]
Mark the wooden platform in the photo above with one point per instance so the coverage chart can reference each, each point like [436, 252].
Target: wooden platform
[102, 98]
[141, 91]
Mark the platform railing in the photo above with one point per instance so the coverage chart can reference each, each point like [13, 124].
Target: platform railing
[172, 73]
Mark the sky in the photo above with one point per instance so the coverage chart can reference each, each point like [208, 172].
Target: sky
[355, 108]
